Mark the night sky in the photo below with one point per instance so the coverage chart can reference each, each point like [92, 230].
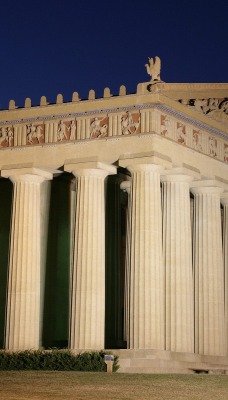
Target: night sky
[52, 46]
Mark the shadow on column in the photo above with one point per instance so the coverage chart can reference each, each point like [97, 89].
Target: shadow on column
[116, 203]
[56, 297]
[5, 218]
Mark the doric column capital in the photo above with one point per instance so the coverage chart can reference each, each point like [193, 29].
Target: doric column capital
[26, 174]
[206, 189]
[90, 172]
[90, 168]
[176, 178]
[179, 174]
[224, 199]
[144, 168]
[206, 186]
[151, 157]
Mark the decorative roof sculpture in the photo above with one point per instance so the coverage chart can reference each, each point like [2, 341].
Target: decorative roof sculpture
[154, 68]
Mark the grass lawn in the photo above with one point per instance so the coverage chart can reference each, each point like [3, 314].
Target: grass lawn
[32, 385]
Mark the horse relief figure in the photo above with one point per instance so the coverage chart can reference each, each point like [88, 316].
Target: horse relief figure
[34, 132]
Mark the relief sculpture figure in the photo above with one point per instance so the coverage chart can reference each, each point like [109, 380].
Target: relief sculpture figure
[128, 124]
[62, 131]
[98, 128]
[4, 136]
[226, 153]
[10, 136]
[181, 135]
[212, 146]
[94, 127]
[72, 130]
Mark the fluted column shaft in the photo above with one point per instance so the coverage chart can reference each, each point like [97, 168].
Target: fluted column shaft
[24, 289]
[88, 277]
[146, 325]
[126, 186]
[209, 272]
[224, 202]
[177, 248]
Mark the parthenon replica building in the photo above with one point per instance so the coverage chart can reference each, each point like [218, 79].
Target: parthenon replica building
[114, 225]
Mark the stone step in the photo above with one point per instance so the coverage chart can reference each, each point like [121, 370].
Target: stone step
[154, 361]
[154, 370]
[139, 365]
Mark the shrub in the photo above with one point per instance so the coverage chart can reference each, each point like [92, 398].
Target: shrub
[55, 360]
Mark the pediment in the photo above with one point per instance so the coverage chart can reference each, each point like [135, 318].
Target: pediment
[208, 100]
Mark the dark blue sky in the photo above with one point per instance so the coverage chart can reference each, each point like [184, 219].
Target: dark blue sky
[52, 46]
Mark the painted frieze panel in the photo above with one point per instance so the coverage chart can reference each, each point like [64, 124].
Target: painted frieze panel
[6, 136]
[181, 133]
[34, 133]
[63, 132]
[130, 123]
[166, 126]
[225, 155]
[213, 144]
[197, 139]
[99, 127]
[72, 129]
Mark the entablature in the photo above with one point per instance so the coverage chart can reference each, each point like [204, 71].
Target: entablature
[126, 121]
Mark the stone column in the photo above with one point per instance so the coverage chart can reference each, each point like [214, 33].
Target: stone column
[88, 276]
[126, 186]
[146, 308]
[177, 249]
[224, 201]
[24, 281]
[208, 270]
[116, 205]
[45, 196]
